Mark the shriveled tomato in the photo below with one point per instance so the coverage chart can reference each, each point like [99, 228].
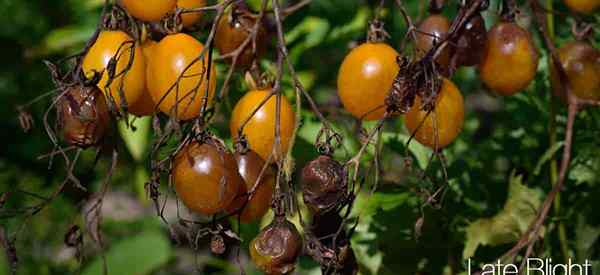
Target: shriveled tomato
[260, 129]
[510, 60]
[117, 45]
[206, 179]
[250, 166]
[276, 248]
[148, 10]
[365, 78]
[581, 63]
[190, 18]
[179, 88]
[145, 105]
[449, 117]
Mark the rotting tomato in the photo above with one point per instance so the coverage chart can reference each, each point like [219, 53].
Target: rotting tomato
[468, 48]
[260, 128]
[365, 79]
[233, 29]
[148, 10]
[277, 247]
[510, 60]
[191, 18]
[323, 184]
[449, 117]
[206, 179]
[250, 165]
[170, 62]
[83, 115]
[583, 6]
[431, 31]
[145, 105]
[130, 77]
[581, 63]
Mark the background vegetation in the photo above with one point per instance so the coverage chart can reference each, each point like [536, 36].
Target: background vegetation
[500, 168]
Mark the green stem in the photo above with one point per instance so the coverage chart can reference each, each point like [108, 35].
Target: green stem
[562, 235]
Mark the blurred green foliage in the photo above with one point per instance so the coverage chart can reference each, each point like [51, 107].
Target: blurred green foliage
[501, 137]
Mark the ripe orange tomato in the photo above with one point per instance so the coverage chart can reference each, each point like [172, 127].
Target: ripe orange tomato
[449, 118]
[206, 180]
[250, 166]
[583, 6]
[119, 45]
[434, 27]
[145, 105]
[510, 60]
[171, 56]
[189, 19]
[581, 63]
[148, 10]
[365, 79]
[260, 129]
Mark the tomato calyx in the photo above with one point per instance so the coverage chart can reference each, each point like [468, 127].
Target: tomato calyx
[376, 32]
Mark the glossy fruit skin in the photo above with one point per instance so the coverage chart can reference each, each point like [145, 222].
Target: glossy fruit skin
[433, 29]
[148, 10]
[365, 79]
[189, 19]
[132, 78]
[581, 63]
[510, 60]
[83, 115]
[583, 6]
[260, 129]
[323, 184]
[277, 247]
[250, 165]
[206, 179]
[170, 58]
[232, 31]
[449, 118]
[145, 105]
[468, 48]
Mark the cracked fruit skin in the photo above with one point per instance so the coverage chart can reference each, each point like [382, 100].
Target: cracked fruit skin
[171, 56]
[581, 63]
[206, 179]
[510, 59]
[433, 29]
[145, 105]
[260, 129]
[189, 19]
[148, 10]
[449, 118]
[250, 165]
[276, 248]
[365, 79]
[83, 115]
[132, 78]
[583, 6]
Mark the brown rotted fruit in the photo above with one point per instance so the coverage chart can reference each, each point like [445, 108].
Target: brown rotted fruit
[235, 28]
[581, 64]
[205, 178]
[83, 115]
[468, 47]
[510, 60]
[323, 184]
[431, 31]
[277, 247]
[250, 165]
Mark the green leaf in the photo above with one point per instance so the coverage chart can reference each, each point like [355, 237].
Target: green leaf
[420, 152]
[586, 237]
[140, 254]
[385, 202]
[547, 156]
[136, 141]
[510, 223]
[66, 37]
